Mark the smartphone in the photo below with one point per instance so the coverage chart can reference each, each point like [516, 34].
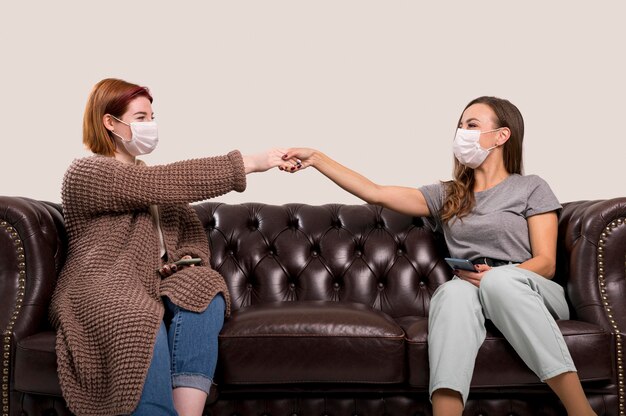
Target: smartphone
[461, 264]
[186, 262]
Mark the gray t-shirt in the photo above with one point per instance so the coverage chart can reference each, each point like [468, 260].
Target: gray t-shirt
[497, 226]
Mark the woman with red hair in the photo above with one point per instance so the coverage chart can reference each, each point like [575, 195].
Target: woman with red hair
[137, 254]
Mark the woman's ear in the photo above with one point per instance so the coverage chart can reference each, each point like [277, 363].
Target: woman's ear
[107, 120]
[503, 136]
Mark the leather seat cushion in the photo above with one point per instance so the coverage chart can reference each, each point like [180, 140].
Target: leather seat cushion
[311, 341]
[36, 365]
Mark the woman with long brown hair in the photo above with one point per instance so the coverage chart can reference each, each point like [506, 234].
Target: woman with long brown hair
[505, 224]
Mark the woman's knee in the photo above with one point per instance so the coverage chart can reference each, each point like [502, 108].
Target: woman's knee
[455, 291]
[218, 304]
[500, 282]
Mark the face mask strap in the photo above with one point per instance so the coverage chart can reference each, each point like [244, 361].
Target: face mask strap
[123, 122]
[120, 137]
[490, 131]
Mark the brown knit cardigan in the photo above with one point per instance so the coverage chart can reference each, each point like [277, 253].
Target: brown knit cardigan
[107, 305]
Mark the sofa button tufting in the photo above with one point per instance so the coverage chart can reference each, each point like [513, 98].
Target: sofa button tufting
[314, 253]
[381, 285]
[249, 286]
[292, 285]
[422, 283]
[336, 286]
[358, 253]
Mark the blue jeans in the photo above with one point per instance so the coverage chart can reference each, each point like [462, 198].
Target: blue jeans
[185, 355]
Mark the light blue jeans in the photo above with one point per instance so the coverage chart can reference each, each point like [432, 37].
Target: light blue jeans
[522, 305]
[184, 356]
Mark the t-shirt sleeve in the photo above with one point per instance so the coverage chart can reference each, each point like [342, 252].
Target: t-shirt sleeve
[434, 194]
[541, 199]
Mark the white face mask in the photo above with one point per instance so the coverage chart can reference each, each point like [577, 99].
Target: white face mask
[466, 147]
[144, 137]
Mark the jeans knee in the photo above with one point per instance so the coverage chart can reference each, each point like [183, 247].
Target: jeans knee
[217, 306]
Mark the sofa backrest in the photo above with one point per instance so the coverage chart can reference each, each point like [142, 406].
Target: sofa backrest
[346, 253]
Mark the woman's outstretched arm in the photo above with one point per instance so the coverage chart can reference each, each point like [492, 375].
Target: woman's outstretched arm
[398, 198]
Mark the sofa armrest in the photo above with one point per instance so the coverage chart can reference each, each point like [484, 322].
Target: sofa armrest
[32, 251]
[592, 244]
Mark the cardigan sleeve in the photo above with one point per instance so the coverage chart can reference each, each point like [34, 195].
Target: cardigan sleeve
[103, 184]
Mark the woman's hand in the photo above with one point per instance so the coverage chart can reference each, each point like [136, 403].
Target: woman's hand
[169, 269]
[473, 277]
[260, 162]
[302, 156]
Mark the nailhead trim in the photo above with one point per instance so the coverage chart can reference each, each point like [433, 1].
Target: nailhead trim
[609, 310]
[8, 331]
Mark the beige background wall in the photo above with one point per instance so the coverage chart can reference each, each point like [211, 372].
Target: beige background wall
[379, 85]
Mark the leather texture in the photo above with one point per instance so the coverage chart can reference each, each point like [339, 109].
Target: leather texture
[330, 310]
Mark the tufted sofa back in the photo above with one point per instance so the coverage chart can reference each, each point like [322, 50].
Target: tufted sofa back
[344, 253]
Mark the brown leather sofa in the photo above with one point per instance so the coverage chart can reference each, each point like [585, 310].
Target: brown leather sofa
[330, 308]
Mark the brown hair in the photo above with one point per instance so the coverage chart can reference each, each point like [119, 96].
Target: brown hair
[459, 200]
[109, 96]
